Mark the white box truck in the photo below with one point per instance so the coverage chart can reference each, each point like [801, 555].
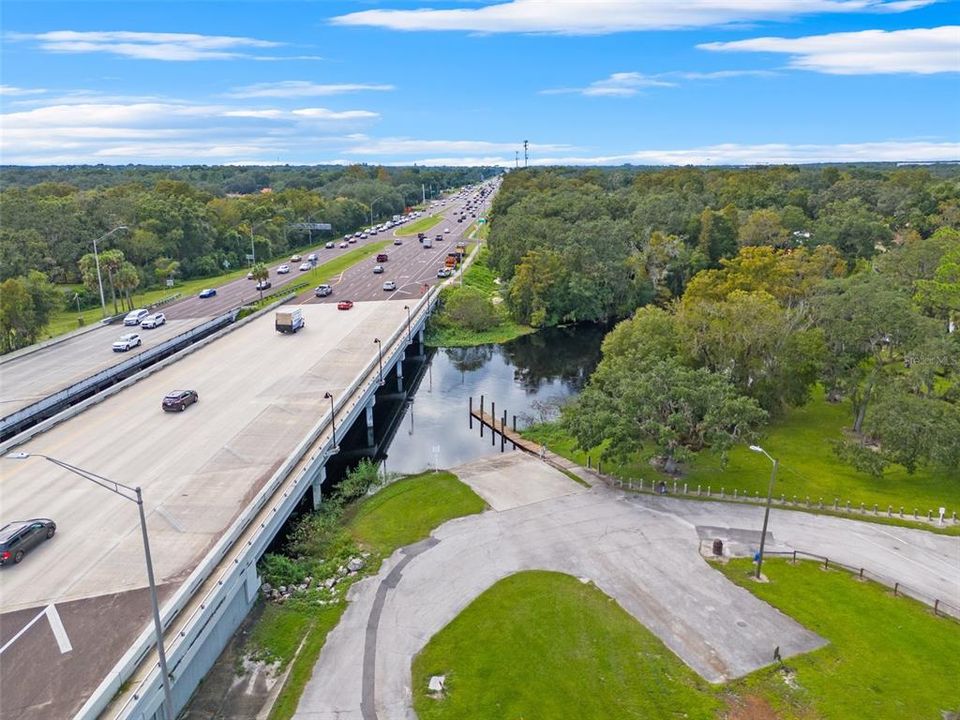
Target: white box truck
[289, 321]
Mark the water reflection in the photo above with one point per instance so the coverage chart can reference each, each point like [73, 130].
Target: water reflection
[521, 377]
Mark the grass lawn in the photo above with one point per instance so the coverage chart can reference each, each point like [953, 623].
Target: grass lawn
[407, 510]
[808, 466]
[421, 225]
[888, 657]
[544, 645]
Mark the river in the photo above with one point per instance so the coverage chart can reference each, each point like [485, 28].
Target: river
[528, 377]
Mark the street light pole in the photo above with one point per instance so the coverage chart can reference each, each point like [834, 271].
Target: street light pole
[374, 202]
[333, 419]
[766, 512]
[409, 337]
[96, 259]
[380, 357]
[125, 492]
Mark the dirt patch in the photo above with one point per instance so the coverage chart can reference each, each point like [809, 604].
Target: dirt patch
[749, 707]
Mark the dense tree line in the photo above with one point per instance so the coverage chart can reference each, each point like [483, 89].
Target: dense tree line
[745, 289]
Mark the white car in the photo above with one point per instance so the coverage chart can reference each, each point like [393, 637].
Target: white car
[153, 321]
[389, 285]
[345, 244]
[126, 342]
[305, 266]
[283, 270]
[134, 317]
[446, 230]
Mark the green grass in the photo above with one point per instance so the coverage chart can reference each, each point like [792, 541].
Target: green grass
[888, 657]
[407, 510]
[322, 621]
[801, 441]
[544, 645]
[421, 225]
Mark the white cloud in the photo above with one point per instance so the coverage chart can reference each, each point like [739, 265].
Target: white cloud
[325, 114]
[621, 84]
[11, 91]
[407, 146]
[868, 52]
[178, 47]
[594, 17]
[300, 88]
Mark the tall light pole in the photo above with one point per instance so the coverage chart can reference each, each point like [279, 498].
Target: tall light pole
[134, 495]
[409, 337]
[372, 204]
[96, 259]
[766, 512]
[380, 357]
[333, 419]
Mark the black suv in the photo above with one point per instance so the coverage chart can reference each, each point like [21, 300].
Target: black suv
[20, 536]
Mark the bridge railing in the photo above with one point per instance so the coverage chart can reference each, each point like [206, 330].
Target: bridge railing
[148, 690]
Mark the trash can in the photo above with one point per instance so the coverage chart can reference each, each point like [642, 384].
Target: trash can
[718, 547]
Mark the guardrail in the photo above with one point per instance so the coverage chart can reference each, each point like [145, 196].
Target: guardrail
[940, 607]
[364, 383]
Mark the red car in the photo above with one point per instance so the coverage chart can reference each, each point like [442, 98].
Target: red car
[344, 304]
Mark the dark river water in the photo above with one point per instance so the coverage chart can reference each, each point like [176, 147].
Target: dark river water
[528, 377]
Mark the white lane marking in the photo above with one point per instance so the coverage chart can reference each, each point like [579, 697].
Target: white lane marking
[59, 632]
[56, 625]
[899, 540]
[170, 519]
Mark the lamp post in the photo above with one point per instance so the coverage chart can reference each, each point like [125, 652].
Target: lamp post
[766, 512]
[409, 337]
[380, 357]
[134, 495]
[96, 259]
[333, 420]
[372, 204]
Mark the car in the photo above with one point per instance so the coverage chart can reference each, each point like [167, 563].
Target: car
[295, 258]
[357, 234]
[329, 245]
[398, 241]
[135, 317]
[347, 236]
[444, 272]
[283, 270]
[382, 257]
[250, 275]
[374, 231]
[446, 230]
[344, 304]
[264, 285]
[207, 293]
[323, 290]
[377, 269]
[461, 244]
[126, 342]
[305, 266]
[344, 244]
[353, 239]
[389, 285]
[312, 257]
[153, 321]
[17, 538]
[179, 400]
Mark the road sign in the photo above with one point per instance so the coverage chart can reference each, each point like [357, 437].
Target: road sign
[311, 226]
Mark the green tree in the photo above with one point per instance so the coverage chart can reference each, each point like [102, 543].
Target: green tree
[127, 280]
[26, 304]
[941, 295]
[718, 233]
[763, 227]
[676, 409]
[852, 228]
[260, 273]
[468, 308]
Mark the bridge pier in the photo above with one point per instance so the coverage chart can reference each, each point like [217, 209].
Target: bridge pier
[369, 417]
[316, 487]
[399, 367]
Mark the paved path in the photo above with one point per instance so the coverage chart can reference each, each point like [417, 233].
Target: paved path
[642, 551]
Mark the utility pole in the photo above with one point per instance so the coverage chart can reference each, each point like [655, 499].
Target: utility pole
[516, 154]
[524, 153]
[423, 192]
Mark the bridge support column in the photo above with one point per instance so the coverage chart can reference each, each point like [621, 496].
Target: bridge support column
[399, 367]
[420, 339]
[369, 414]
[317, 487]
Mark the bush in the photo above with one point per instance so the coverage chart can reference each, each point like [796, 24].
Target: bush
[470, 309]
[281, 570]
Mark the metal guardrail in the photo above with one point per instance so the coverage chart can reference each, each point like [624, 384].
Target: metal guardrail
[365, 381]
[940, 606]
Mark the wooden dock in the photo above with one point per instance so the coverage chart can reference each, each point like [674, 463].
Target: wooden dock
[499, 426]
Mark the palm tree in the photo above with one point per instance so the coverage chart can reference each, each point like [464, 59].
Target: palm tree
[260, 273]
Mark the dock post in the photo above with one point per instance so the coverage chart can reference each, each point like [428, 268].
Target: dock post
[493, 423]
[503, 430]
[481, 416]
[471, 412]
[514, 423]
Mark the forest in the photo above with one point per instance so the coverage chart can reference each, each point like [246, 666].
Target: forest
[741, 293]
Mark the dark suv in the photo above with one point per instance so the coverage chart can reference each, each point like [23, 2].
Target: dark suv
[19, 537]
[178, 400]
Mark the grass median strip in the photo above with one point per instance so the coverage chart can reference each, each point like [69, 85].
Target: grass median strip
[421, 225]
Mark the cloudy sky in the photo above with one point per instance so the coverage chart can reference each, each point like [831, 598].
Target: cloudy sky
[466, 81]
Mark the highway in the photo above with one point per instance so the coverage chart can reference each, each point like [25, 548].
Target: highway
[260, 392]
[28, 378]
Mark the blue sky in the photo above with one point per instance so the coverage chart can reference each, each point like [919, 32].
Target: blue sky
[442, 82]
